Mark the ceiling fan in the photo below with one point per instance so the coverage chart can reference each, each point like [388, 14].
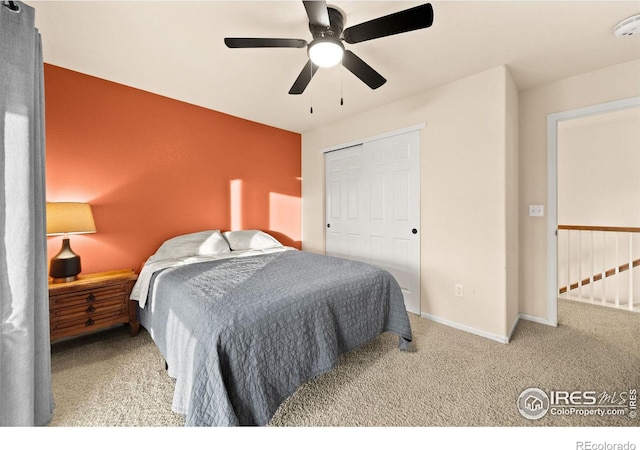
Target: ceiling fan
[326, 24]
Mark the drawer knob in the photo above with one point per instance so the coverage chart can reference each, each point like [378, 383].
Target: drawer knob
[89, 322]
[91, 298]
[90, 309]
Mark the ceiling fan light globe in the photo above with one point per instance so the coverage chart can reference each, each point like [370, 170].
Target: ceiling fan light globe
[326, 53]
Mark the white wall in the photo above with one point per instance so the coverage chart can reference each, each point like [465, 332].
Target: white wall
[601, 86]
[598, 170]
[465, 180]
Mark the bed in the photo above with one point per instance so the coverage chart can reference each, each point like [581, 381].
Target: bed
[242, 321]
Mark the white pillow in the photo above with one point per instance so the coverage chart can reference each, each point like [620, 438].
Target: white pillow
[208, 242]
[250, 240]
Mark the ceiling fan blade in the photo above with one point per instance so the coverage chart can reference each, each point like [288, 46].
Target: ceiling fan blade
[264, 42]
[400, 22]
[318, 13]
[362, 70]
[303, 80]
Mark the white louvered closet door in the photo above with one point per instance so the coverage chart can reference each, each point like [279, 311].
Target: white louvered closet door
[373, 208]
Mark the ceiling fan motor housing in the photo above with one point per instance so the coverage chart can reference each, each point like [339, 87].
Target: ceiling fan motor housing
[326, 49]
[336, 19]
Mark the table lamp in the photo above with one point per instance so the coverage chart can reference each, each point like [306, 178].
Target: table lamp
[67, 218]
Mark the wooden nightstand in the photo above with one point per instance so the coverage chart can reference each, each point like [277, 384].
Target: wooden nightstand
[92, 302]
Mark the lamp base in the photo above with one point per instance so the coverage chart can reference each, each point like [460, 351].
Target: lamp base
[64, 280]
[65, 266]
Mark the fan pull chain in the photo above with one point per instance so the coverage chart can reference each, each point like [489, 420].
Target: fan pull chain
[341, 84]
[311, 89]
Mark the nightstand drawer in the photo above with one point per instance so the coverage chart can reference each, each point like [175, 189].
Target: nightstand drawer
[89, 296]
[66, 326]
[88, 309]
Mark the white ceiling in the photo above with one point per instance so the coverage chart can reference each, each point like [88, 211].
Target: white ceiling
[176, 49]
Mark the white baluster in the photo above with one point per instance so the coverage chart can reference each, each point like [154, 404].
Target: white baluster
[580, 264]
[617, 270]
[568, 264]
[591, 281]
[604, 268]
[630, 272]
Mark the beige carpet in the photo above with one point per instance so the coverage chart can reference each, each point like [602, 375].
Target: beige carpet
[452, 379]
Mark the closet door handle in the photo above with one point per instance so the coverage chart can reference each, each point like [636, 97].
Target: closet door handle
[414, 231]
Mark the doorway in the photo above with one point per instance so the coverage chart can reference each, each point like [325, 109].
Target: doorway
[553, 122]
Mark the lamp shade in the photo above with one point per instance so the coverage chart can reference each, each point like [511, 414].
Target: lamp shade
[69, 218]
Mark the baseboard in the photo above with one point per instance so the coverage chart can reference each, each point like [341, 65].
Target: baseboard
[535, 319]
[477, 332]
[482, 333]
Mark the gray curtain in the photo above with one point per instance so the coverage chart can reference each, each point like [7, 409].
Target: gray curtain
[26, 397]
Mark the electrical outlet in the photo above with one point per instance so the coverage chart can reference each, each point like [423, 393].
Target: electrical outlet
[458, 290]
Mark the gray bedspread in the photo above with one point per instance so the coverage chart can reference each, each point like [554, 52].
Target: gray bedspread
[240, 335]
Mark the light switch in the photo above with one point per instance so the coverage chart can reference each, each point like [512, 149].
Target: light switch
[536, 210]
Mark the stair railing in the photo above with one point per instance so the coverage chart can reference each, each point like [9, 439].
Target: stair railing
[596, 264]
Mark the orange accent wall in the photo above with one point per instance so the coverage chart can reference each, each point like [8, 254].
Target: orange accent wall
[153, 167]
